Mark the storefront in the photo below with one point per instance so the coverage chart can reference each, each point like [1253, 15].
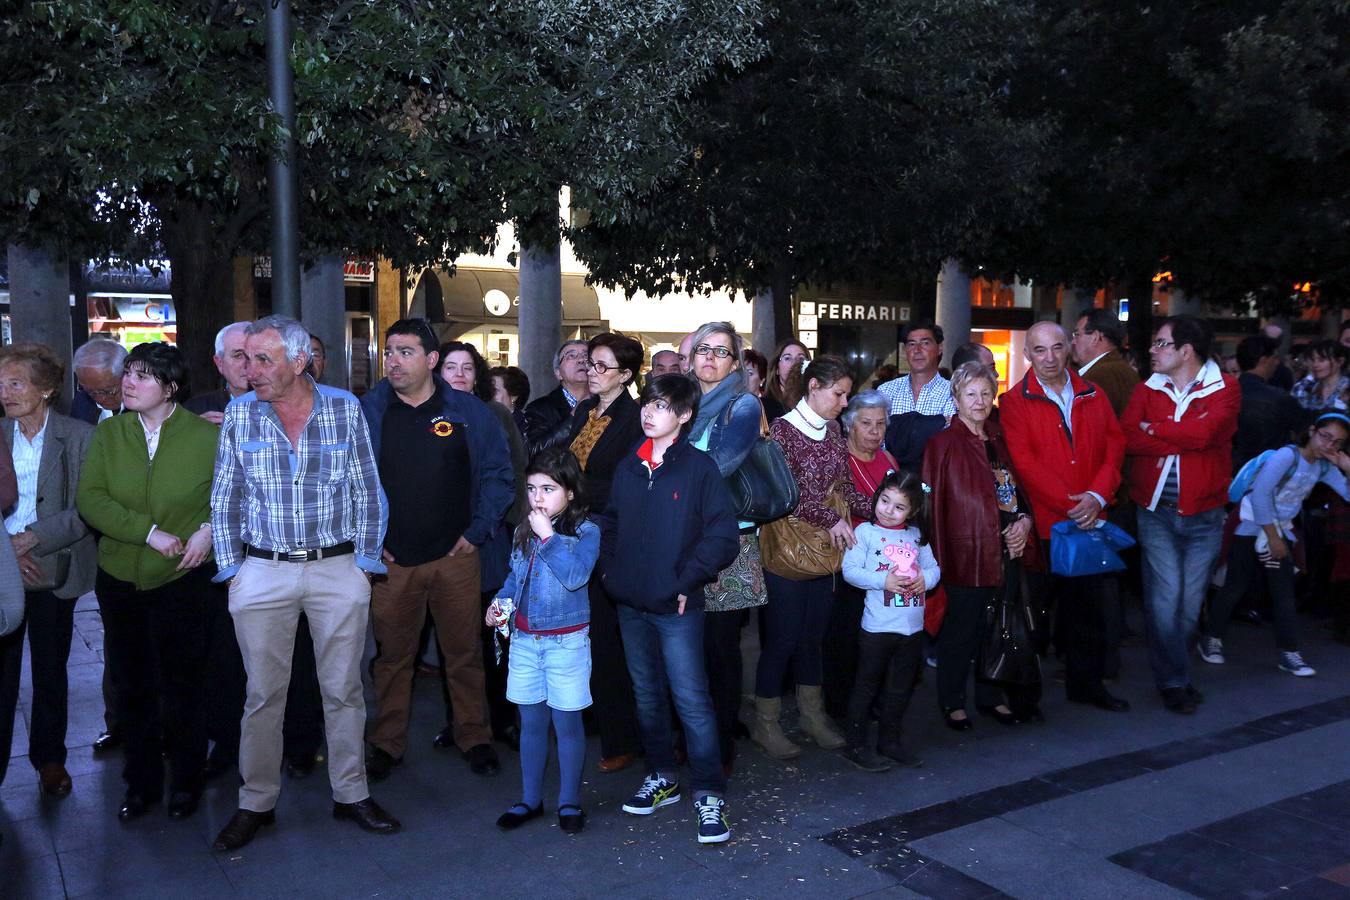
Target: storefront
[130, 304]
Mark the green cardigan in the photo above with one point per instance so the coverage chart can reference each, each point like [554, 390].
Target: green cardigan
[122, 493]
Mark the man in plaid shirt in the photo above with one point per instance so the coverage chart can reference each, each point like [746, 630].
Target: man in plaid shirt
[298, 518]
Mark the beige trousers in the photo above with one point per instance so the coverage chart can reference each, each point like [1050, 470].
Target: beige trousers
[266, 599]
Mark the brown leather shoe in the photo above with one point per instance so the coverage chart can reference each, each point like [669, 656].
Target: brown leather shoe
[368, 814]
[54, 780]
[242, 828]
[616, 763]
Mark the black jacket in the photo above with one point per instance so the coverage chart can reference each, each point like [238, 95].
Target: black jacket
[620, 438]
[542, 417]
[1267, 419]
[671, 531]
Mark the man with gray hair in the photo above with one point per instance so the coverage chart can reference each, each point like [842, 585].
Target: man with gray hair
[571, 364]
[298, 519]
[231, 362]
[98, 377]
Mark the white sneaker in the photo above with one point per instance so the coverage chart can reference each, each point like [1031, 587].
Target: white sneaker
[1292, 662]
[1211, 651]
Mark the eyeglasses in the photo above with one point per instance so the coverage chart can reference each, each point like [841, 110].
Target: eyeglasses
[1334, 443]
[599, 367]
[574, 356]
[1160, 344]
[1084, 333]
[709, 350]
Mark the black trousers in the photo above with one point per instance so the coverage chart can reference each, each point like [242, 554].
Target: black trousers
[302, 729]
[158, 641]
[1082, 629]
[839, 649]
[226, 679]
[722, 660]
[49, 623]
[501, 712]
[963, 630]
[613, 704]
[889, 666]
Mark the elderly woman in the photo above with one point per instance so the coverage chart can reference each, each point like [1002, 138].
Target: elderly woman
[602, 430]
[799, 609]
[146, 488]
[726, 427]
[54, 548]
[864, 424]
[788, 358]
[980, 529]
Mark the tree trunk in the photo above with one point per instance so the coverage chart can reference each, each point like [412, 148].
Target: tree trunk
[323, 310]
[202, 287]
[39, 301]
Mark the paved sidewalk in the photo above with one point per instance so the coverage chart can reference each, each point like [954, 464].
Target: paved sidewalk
[1250, 797]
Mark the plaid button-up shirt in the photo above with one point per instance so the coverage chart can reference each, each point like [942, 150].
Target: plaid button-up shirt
[323, 491]
[935, 397]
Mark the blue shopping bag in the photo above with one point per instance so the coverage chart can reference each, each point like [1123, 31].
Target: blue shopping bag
[1075, 551]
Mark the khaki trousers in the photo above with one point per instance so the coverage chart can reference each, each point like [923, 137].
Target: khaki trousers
[266, 599]
[447, 587]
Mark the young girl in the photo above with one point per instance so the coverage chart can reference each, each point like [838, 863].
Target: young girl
[549, 674]
[893, 563]
[1265, 533]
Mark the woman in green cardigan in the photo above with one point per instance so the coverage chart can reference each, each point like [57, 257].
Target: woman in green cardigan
[146, 487]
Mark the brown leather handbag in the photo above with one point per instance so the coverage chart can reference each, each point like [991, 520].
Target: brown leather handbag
[796, 550]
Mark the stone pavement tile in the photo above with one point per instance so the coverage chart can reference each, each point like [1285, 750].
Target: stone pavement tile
[99, 872]
[31, 878]
[894, 892]
[1287, 839]
[1098, 880]
[1312, 889]
[998, 852]
[1329, 806]
[1095, 774]
[801, 861]
[1208, 869]
[312, 862]
[24, 839]
[1083, 821]
[942, 881]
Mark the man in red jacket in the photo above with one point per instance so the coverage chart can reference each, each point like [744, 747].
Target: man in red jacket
[1179, 428]
[1067, 448]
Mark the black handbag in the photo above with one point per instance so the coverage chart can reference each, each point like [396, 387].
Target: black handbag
[763, 488]
[1008, 653]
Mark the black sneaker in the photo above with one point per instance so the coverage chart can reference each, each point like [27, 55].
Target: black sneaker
[655, 793]
[379, 764]
[863, 758]
[712, 820]
[1178, 701]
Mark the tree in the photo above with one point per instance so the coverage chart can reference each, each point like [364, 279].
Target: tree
[873, 138]
[140, 127]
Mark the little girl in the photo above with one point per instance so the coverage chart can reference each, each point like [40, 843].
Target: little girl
[893, 563]
[549, 674]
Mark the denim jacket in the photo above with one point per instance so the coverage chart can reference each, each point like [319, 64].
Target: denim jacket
[557, 596]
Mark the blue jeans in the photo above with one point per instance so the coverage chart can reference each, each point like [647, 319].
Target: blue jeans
[1179, 553]
[665, 656]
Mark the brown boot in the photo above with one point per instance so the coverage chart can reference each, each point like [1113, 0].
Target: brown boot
[768, 733]
[814, 720]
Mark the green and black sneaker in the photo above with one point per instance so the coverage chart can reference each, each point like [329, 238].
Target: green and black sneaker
[655, 793]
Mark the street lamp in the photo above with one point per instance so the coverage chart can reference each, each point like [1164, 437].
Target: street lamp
[280, 169]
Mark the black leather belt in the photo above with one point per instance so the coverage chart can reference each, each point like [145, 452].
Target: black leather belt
[300, 555]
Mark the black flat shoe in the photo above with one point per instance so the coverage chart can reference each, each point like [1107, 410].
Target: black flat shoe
[1003, 718]
[444, 740]
[482, 760]
[183, 804]
[134, 806]
[106, 742]
[1033, 714]
[511, 819]
[956, 724]
[571, 822]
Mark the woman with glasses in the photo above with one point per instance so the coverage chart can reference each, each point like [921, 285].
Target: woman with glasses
[54, 549]
[790, 356]
[146, 488]
[602, 430]
[726, 427]
[1265, 534]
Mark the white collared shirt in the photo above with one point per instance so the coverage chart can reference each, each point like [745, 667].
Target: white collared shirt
[1095, 360]
[152, 434]
[27, 459]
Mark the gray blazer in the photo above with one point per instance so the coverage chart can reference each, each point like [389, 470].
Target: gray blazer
[58, 525]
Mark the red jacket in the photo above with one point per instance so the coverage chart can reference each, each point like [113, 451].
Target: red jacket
[1052, 463]
[1195, 432]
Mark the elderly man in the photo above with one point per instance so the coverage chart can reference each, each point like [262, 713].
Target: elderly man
[318, 358]
[683, 360]
[1067, 447]
[663, 362]
[232, 363]
[1097, 339]
[98, 376]
[297, 517]
[571, 365]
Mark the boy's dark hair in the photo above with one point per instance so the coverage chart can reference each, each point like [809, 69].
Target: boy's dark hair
[679, 392]
[923, 325]
[912, 487]
[165, 363]
[1254, 348]
[558, 464]
[516, 382]
[482, 374]
[418, 328]
[1107, 324]
[1191, 330]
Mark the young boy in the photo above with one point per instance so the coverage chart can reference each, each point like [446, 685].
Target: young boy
[673, 531]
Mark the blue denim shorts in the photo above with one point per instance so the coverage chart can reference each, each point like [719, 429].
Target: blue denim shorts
[552, 668]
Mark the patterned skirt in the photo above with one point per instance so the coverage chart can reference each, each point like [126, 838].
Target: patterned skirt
[741, 584]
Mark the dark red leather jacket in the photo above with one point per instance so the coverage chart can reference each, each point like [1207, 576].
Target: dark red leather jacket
[963, 509]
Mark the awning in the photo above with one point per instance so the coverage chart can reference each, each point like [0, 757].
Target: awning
[492, 297]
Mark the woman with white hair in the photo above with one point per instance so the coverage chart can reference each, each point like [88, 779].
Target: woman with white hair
[727, 423]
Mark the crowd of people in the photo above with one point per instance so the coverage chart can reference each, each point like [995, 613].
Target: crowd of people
[588, 559]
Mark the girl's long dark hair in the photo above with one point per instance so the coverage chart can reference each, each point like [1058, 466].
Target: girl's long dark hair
[911, 486]
[559, 465]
